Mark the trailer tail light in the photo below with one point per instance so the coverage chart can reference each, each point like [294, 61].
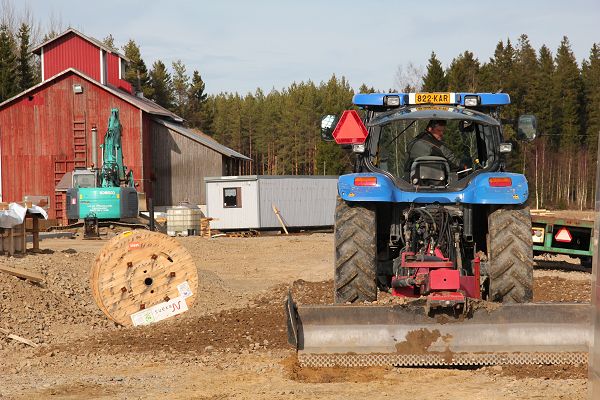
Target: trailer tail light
[500, 182]
[365, 181]
[537, 234]
[563, 235]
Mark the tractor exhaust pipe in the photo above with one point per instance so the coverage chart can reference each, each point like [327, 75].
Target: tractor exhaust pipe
[95, 146]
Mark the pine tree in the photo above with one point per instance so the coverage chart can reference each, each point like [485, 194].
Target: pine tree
[501, 67]
[199, 113]
[109, 41]
[435, 79]
[543, 90]
[25, 69]
[8, 64]
[365, 89]
[161, 84]
[463, 74]
[181, 86]
[526, 68]
[569, 91]
[591, 79]
[136, 72]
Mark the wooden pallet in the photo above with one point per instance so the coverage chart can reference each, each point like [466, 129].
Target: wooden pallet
[249, 233]
[14, 240]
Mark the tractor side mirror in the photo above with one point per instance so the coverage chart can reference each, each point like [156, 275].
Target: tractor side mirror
[527, 128]
[328, 124]
[465, 126]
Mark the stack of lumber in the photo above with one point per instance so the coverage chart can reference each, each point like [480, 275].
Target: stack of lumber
[540, 211]
[205, 227]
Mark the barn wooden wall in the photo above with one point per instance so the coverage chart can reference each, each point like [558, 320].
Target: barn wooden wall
[179, 175]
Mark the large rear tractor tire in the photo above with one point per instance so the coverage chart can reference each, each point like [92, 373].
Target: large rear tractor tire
[510, 253]
[355, 278]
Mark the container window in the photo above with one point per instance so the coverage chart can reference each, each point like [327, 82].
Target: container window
[232, 197]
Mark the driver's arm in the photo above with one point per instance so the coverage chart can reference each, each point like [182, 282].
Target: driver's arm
[453, 161]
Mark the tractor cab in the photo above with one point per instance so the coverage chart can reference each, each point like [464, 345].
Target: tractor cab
[395, 137]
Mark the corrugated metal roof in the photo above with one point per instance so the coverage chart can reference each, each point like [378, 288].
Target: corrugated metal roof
[142, 103]
[241, 178]
[36, 49]
[203, 139]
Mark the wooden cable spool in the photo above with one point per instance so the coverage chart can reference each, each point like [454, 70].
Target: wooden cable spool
[137, 270]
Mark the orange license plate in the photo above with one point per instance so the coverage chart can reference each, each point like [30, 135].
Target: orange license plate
[432, 98]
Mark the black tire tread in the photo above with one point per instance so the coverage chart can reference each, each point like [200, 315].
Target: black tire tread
[355, 237]
[510, 253]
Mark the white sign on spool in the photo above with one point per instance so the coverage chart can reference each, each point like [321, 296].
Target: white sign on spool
[159, 312]
[184, 290]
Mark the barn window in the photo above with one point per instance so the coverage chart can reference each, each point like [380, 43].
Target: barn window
[122, 68]
[232, 197]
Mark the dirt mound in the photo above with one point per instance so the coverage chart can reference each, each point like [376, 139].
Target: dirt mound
[44, 312]
[257, 326]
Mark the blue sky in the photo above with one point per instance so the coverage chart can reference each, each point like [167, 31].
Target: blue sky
[239, 46]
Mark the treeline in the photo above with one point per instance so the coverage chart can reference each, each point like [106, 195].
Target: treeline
[18, 69]
[279, 130]
[561, 164]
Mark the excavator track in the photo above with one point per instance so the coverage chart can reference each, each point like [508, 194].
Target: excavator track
[403, 335]
[100, 223]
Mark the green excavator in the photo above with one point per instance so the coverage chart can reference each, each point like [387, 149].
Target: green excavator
[108, 193]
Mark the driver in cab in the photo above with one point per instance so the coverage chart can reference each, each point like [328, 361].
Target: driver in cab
[430, 143]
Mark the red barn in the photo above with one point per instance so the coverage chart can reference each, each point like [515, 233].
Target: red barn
[49, 129]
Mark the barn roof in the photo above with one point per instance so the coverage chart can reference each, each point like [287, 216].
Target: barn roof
[96, 42]
[142, 103]
[202, 139]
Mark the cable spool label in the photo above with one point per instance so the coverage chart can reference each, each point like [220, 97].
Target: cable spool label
[135, 245]
[184, 290]
[159, 312]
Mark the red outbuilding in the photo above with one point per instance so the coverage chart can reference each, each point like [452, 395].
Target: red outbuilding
[58, 125]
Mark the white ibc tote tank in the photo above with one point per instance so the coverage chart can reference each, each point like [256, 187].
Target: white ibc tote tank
[183, 220]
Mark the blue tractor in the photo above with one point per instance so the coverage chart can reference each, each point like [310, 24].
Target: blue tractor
[448, 223]
[444, 227]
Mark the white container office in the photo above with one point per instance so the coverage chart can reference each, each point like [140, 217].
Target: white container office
[246, 202]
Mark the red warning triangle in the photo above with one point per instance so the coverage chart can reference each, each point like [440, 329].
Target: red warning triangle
[350, 129]
[563, 235]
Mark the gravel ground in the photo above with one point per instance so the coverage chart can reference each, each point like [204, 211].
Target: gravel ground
[232, 342]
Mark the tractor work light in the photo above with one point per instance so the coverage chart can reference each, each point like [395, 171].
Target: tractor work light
[393, 101]
[358, 148]
[500, 182]
[471, 101]
[365, 181]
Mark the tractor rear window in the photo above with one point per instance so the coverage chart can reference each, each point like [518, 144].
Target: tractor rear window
[397, 147]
